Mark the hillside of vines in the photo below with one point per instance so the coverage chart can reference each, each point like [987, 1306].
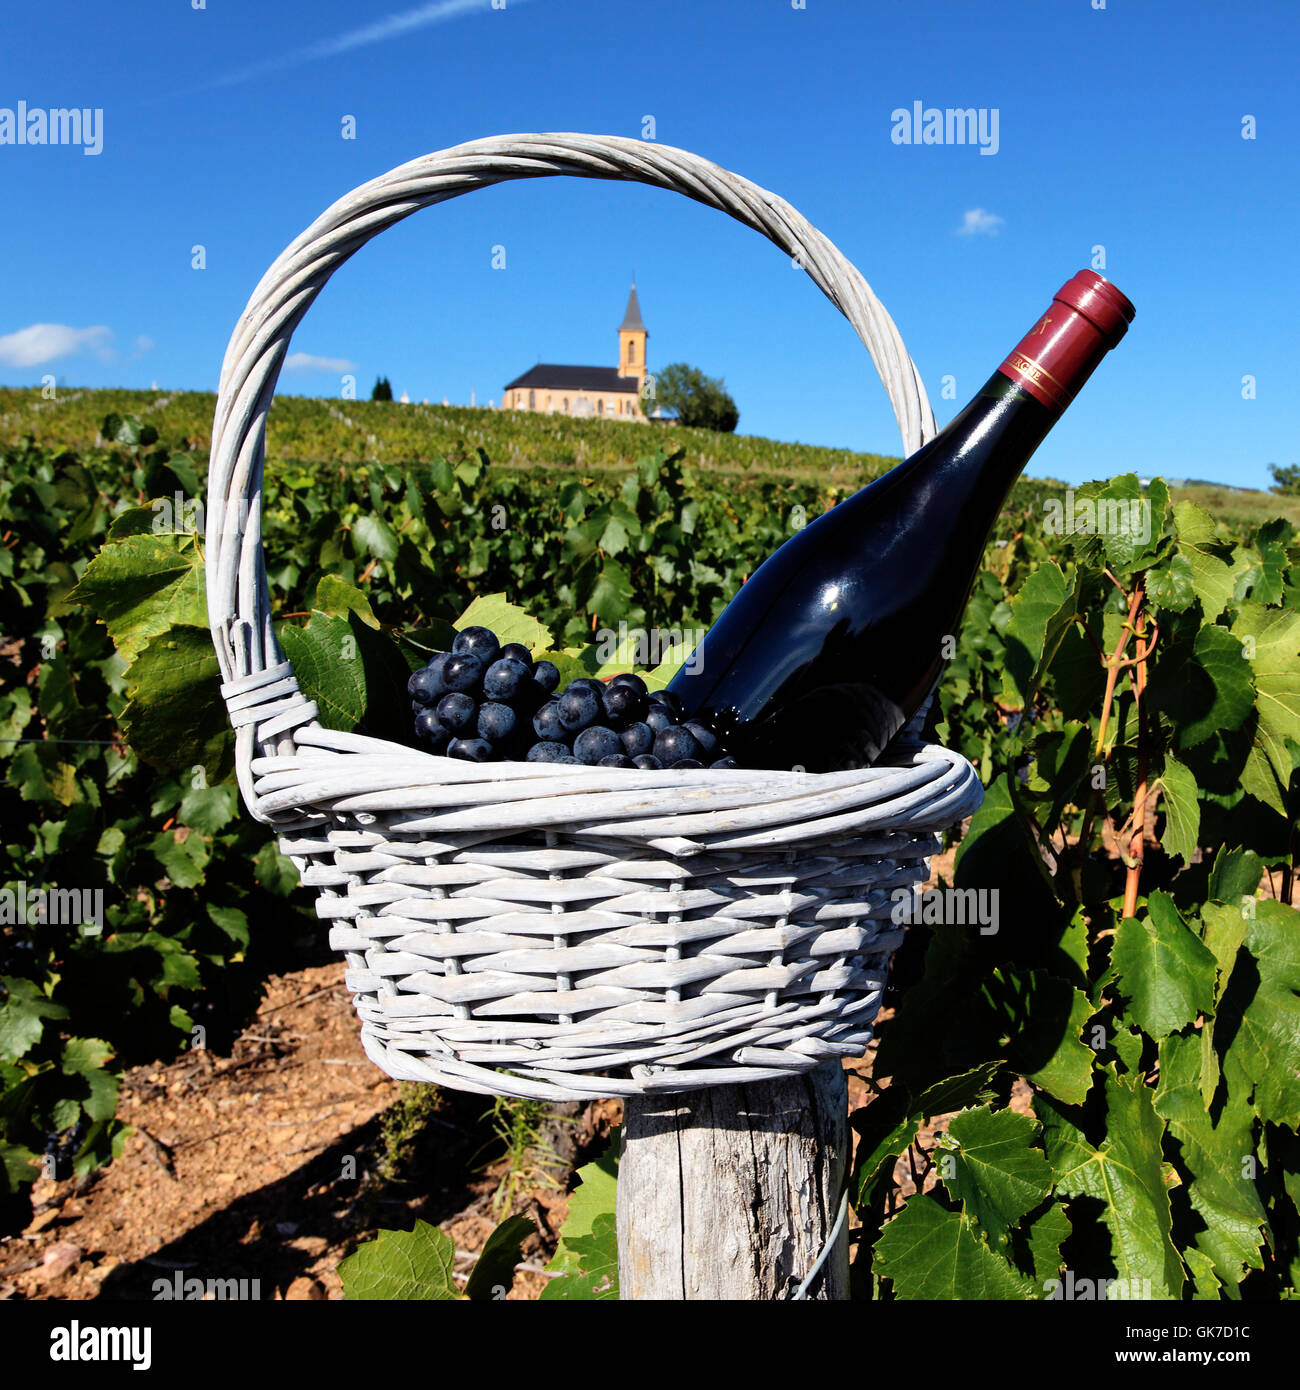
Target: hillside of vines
[1129, 693]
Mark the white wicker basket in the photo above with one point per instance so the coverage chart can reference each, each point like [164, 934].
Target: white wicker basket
[552, 931]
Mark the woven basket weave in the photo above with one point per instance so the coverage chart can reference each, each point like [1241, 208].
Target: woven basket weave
[551, 931]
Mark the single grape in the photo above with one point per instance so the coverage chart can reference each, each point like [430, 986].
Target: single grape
[478, 641]
[682, 764]
[546, 723]
[546, 753]
[463, 672]
[658, 719]
[616, 760]
[516, 651]
[704, 736]
[423, 686]
[724, 762]
[471, 750]
[578, 709]
[596, 743]
[429, 729]
[496, 722]
[586, 683]
[505, 678]
[667, 700]
[647, 762]
[637, 738]
[547, 675]
[628, 679]
[456, 711]
[624, 705]
[672, 745]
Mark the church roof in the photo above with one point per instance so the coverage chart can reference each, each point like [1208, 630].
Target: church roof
[632, 319]
[561, 378]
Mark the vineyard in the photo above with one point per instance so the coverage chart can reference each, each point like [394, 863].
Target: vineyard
[1108, 1083]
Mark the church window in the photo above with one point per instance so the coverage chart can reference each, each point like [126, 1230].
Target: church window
[532, 400]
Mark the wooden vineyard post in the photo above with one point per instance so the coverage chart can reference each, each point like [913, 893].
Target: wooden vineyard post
[732, 1192]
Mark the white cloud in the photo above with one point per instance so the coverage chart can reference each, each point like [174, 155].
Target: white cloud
[307, 362]
[47, 342]
[390, 27]
[143, 344]
[980, 222]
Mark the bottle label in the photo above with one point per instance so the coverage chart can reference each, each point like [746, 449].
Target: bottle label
[1056, 356]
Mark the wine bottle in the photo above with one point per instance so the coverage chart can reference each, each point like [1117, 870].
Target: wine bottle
[837, 638]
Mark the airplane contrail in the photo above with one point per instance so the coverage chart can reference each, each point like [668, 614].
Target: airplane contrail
[390, 27]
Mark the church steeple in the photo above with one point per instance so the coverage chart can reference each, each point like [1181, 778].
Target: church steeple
[632, 337]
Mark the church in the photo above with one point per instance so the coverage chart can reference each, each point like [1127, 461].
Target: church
[601, 391]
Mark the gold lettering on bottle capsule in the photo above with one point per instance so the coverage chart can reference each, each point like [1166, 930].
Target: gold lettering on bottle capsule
[1042, 326]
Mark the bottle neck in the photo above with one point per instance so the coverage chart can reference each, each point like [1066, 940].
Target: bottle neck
[997, 433]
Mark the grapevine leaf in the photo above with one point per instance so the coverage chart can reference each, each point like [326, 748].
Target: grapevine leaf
[1047, 1233]
[1171, 584]
[335, 597]
[210, 809]
[1040, 1020]
[141, 585]
[1259, 1015]
[328, 665]
[1205, 1282]
[87, 1058]
[509, 622]
[494, 1273]
[1182, 809]
[402, 1266]
[18, 1166]
[1125, 1174]
[175, 717]
[1165, 971]
[1045, 607]
[1235, 875]
[374, 537]
[21, 1014]
[1216, 1154]
[930, 1253]
[1204, 552]
[594, 1272]
[1274, 634]
[997, 1174]
[957, 1091]
[586, 1255]
[1218, 693]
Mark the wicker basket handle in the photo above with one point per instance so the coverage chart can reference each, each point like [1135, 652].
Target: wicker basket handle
[258, 683]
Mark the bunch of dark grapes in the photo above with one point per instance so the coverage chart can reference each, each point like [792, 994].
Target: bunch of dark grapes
[485, 702]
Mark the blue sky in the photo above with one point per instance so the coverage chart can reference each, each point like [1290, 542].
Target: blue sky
[1118, 127]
